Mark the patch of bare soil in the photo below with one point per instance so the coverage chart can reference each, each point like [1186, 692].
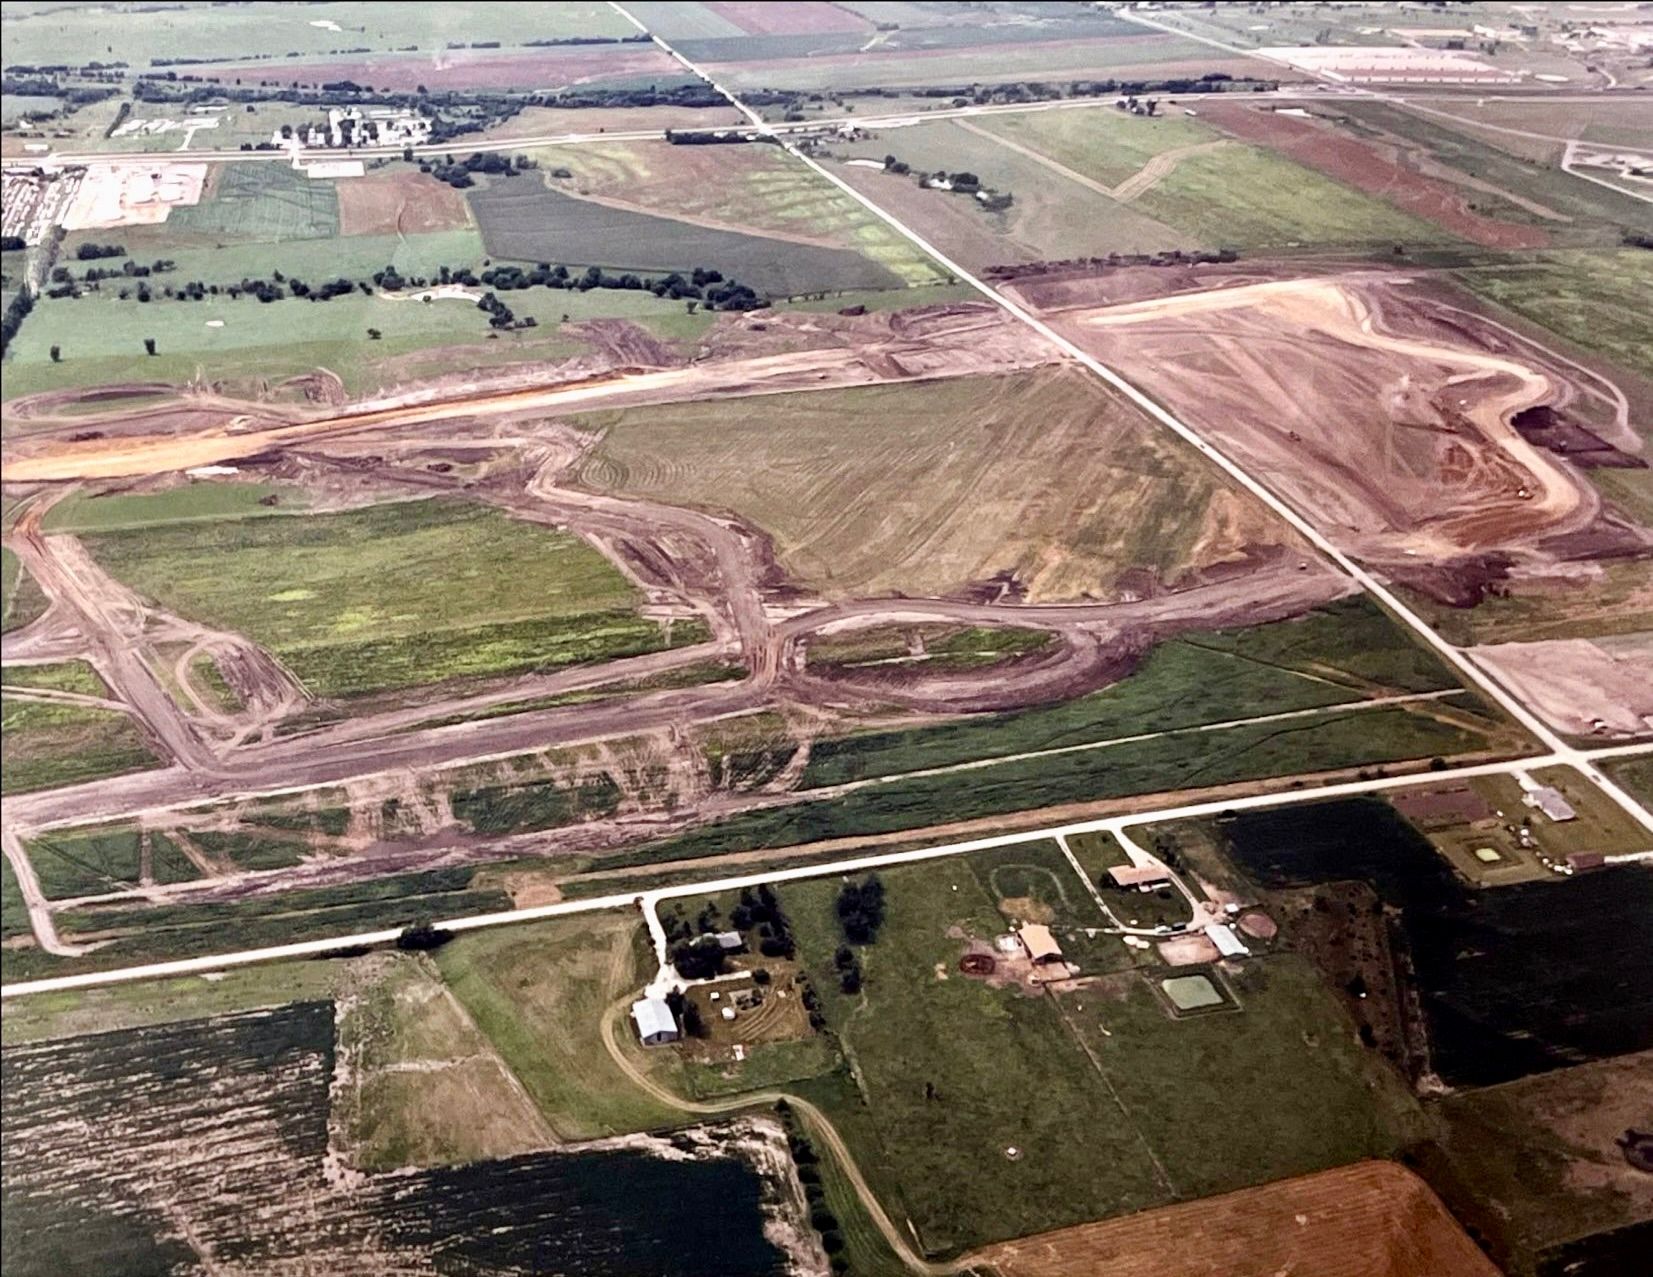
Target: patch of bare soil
[1580, 689]
[1372, 1219]
[400, 202]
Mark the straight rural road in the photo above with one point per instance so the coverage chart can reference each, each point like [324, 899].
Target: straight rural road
[650, 899]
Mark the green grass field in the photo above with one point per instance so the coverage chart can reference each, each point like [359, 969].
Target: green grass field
[1105, 144]
[261, 202]
[101, 338]
[194, 501]
[950, 1074]
[1336, 655]
[265, 29]
[62, 676]
[314, 260]
[21, 599]
[1235, 195]
[390, 596]
[137, 933]
[1635, 774]
[1248, 198]
[70, 1013]
[538, 993]
[106, 858]
[1593, 299]
[44, 745]
[760, 187]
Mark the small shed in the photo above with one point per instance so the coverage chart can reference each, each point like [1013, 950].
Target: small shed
[1041, 946]
[656, 1025]
[1582, 860]
[1228, 944]
[1142, 877]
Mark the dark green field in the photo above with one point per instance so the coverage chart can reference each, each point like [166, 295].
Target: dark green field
[523, 220]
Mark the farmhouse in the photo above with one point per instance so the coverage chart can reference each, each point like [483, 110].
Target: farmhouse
[656, 1025]
[729, 941]
[1040, 945]
[1142, 877]
[1550, 802]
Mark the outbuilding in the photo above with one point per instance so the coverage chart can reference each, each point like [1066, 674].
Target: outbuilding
[1228, 944]
[1550, 802]
[1040, 945]
[656, 1025]
[1142, 877]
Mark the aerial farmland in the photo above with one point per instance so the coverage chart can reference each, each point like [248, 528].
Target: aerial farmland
[826, 638]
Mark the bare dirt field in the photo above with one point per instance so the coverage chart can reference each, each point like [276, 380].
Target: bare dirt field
[541, 69]
[1387, 172]
[400, 202]
[1578, 687]
[1372, 1219]
[1379, 408]
[123, 195]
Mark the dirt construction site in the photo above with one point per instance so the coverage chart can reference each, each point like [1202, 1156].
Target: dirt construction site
[1383, 413]
[1396, 419]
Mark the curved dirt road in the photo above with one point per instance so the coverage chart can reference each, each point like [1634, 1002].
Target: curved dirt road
[820, 1128]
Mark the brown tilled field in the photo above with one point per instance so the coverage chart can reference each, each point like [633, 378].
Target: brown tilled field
[1372, 1219]
[1383, 171]
[399, 202]
[1037, 482]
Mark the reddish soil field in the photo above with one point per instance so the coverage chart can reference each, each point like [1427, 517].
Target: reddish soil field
[401, 203]
[470, 68]
[1372, 169]
[806, 17]
[1372, 1219]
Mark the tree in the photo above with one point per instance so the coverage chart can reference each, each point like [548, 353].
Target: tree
[373, 334]
[423, 935]
[149, 345]
[57, 354]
